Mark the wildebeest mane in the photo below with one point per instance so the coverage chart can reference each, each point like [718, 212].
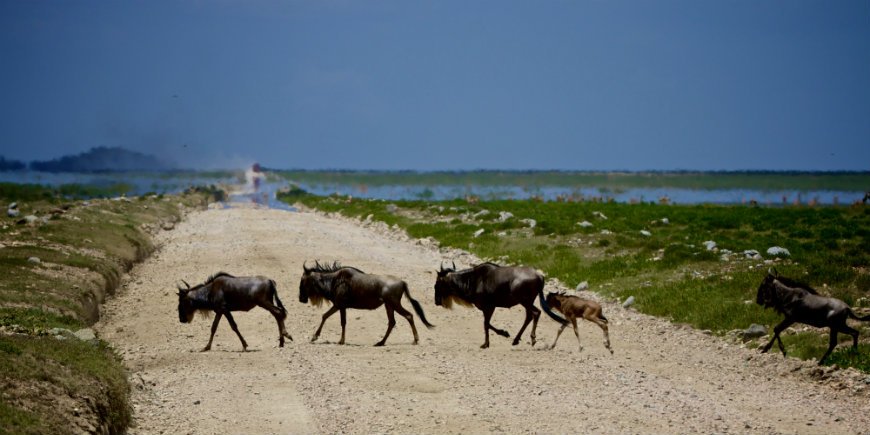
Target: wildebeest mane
[334, 267]
[792, 283]
[216, 276]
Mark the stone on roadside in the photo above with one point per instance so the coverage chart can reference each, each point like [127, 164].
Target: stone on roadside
[777, 251]
[504, 215]
[628, 302]
[752, 254]
[478, 233]
[666, 221]
[530, 222]
[709, 244]
[168, 226]
[645, 233]
[12, 212]
[86, 334]
[599, 215]
[34, 260]
[582, 286]
[585, 224]
[753, 331]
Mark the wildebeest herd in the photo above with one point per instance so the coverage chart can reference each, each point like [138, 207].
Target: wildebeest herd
[486, 286]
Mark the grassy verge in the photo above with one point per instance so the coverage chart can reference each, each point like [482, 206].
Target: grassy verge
[668, 268]
[756, 180]
[54, 273]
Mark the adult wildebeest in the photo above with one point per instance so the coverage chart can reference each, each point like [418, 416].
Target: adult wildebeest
[487, 286]
[348, 287]
[223, 293]
[573, 307]
[801, 303]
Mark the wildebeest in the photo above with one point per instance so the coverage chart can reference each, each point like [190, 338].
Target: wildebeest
[801, 303]
[487, 286]
[223, 293]
[348, 287]
[573, 307]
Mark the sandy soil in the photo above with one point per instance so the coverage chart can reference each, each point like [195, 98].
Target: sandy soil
[662, 379]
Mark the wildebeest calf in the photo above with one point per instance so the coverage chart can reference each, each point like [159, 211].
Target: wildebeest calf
[223, 293]
[573, 307]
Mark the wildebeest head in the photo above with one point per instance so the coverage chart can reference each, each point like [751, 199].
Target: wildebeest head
[766, 291]
[443, 287]
[310, 285]
[554, 301]
[185, 306]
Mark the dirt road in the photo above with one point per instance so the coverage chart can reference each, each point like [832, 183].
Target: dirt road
[662, 379]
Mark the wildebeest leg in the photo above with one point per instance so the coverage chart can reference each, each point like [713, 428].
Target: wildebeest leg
[854, 333]
[831, 345]
[279, 315]
[391, 322]
[603, 325]
[487, 314]
[326, 315]
[776, 330]
[407, 315]
[236, 330]
[576, 333]
[531, 313]
[562, 328]
[343, 313]
[217, 319]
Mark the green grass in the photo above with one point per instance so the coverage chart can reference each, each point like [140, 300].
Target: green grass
[670, 273]
[83, 252]
[92, 374]
[605, 181]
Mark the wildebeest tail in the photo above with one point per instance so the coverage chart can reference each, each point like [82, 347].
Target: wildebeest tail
[546, 307]
[275, 296]
[417, 308]
[854, 316]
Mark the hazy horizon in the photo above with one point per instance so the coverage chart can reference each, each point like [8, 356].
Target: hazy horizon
[442, 86]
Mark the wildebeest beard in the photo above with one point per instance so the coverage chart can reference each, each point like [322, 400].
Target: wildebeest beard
[447, 301]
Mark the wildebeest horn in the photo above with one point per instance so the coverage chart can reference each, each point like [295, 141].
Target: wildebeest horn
[185, 283]
[441, 266]
[304, 268]
[772, 271]
[454, 264]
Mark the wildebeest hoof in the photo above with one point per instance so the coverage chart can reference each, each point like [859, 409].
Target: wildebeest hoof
[378, 344]
[515, 342]
[484, 345]
[503, 333]
[206, 349]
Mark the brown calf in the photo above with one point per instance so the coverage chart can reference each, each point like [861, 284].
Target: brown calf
[573, 307]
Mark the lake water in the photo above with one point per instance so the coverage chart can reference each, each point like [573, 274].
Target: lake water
[176, 182]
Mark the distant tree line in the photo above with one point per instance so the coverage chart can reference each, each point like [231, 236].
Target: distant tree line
[98, 159]
[11, 165]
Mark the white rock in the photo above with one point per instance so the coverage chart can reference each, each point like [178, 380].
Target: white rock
[504, 215]
[530, 222]
[34, 260]
[478, 232]
[665, 221]
[606, 232]
[645, 233]
[585, 224]
[582, 286]
[12, 212]
[709, 244]
[776, 250]
[599, 215]
[483, 212]
[628, 302]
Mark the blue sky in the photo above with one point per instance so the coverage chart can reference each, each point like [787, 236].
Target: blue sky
[586, 85]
